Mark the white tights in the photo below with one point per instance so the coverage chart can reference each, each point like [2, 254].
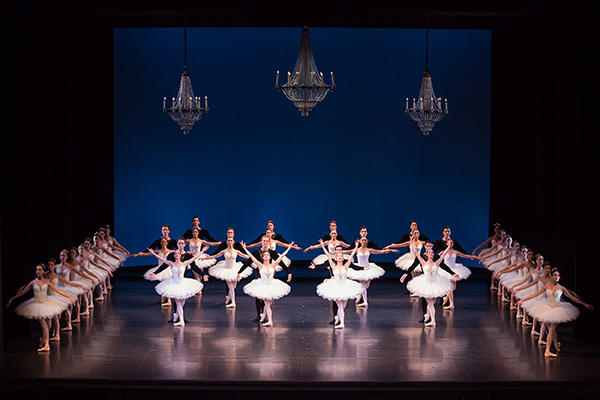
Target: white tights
[340, 312]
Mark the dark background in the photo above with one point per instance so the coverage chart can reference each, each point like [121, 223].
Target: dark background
[58, 184]
[357, 158]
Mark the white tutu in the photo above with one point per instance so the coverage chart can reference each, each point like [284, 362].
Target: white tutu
[161, 276]
[226, 272]
[405, 261]
[323, 259]
[373, 272]
[559, 313]
[205, 263]
[339, 289]
[122, 256]
[41, 305]
[428, 287]
[459, 269]
[267, 289]
[182, 288]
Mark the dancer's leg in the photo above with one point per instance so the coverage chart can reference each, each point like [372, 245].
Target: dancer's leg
[231, 293]
[181, 321]
[542, 329]
[550, 340]
[341, 313]
[431, 311]
[268, 313]
[45, 324]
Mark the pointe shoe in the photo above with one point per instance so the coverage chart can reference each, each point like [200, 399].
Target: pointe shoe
[179, 323]
[165, 304]
[43, 349]
[339, 326]
[363, 304]
[230, 305]
[54, 338]
[540, 341]
[67, 328]
[99, 299]
[449, 307]
[84, 314]
[534, 333]
[549, 354]
[430, 323]
[76, 321]
[558, 344]
[268, 323]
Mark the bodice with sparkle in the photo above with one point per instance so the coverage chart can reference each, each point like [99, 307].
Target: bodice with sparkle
[515, 257]
[339, 274]
[55, 283]
[553, 297]
[450, 259]
[430, 271]
[413, 248]
[267, 273]
[230, 258]
[195, 248]
[177, 271]
[273, 246]
[363, 258]
[64, 272]
[40, 292]
[331, 247]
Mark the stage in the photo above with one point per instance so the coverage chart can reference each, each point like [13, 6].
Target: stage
[129, 346]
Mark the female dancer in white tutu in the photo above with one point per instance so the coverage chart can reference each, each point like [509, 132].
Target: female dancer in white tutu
[104, 250]
[508, 258]
[92, 258]
[514, 272]
[369, 270]
[491, 241]
[104, 273]
[227, 270]
[406, 260]
[553, 311]
[112, 241]
[430, 284]
[77, 266]
[42, 307]
[178, 287]
[338, 288]
[196, 244]
[458, 269]
[74, 274]
[71, 288]
[531, 283]
[151, 274]
[499, 250]
[331, 245]
[267, 288]
[542, 280]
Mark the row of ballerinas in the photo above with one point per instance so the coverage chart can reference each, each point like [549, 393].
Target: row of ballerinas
[70, 287]
[348, 280]
[531, 286]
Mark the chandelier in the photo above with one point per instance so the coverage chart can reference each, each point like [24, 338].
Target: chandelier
[427, 109]
[186, 109]
[305, 86]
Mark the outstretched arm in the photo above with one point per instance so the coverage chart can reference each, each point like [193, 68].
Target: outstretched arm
[536, 294]
[289, 246]
[349, 261]
[254, 259]
[575, 298]
[20, 293]
[396, 245]
[219, 254]
[482, 244]
[57, 290]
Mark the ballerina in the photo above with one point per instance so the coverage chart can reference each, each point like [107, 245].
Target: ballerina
[151, 274]
[196, 244]
[430, 284]
[42, 307]
[202, 233]
[104, 273]
[227, 270]
[491, 241]
[497, 250]
[338, 288]
[104, 251]
[92, 258]
[178, 287]
[457, 269]
[266, 287]
[513, 272]
[73, 274]
[531, 283]
[369, 270]
[333, 227]
[77, 266]
[229, 233]
[331, 243]
[71, 288]
[553, 311]
[415, 244]
[112, 241]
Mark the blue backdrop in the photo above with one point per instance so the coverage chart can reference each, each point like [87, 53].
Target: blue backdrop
[357, 158]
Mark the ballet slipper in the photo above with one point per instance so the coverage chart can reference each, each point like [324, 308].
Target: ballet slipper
[540, 341]
[67, 328]
[449, 307]
[230, 305]
[339, 326]
[549, 354]
[44, 349]
[269, 323]
[166, 304]
[430, 323]
[179, 323]
[76, 321]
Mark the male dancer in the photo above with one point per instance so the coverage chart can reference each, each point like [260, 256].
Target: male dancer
[171, 243]
[202, 233]
[441, 244]
[414, 226]
[258, 254]
[333, 227]
[274, 236]
[417, 263]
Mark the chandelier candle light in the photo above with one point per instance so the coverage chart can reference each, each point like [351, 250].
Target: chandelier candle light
[305, 86]
[186, 109]
[427, 109]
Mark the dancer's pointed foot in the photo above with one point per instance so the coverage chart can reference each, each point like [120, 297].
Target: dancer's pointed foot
[525, 322]
[99, 298]
[226, 299]
[449, 307]
[55, 338]
[339, 326]
[85, 313]
[425, 318]
[534, 333]
[44, 348]
[231, 304]
[430, 323]
[67, 328]
[549, 354]
[444, 300]
[558, 347]
[76, 321]
[166, 304]
[179, 323]
[540, 341]
[268, 323]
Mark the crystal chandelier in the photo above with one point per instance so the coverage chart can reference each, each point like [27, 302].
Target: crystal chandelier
[305, 86]
[186, 109]
[427, 109]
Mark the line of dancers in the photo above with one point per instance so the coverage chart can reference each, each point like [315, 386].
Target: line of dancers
[68, 288]
[529, 284]
[350, 269]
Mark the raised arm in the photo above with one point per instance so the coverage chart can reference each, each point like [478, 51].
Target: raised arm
[289, 246]
[197, 256]
[349, 261]
[239, 253]
[159, 256]
[315, 246]
[254, 259]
